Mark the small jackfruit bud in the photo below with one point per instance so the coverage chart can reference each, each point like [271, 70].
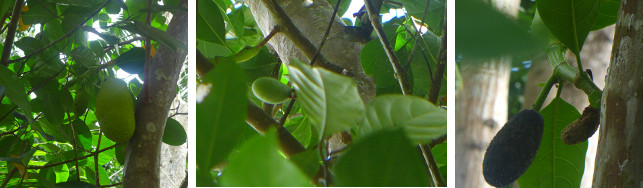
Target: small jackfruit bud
[583, 128]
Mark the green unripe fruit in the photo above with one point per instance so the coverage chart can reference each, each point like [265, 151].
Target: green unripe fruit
[513, 148]
[115, 110]
[270, 90]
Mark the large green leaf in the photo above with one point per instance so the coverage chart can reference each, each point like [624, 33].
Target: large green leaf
[15, 91]
[221, 115]
[174, 134]
[209, 21]
[421, 120]
[50, 97]
[569, 20]
[259, 163]
[132, 61]
[556, 164]
[485, 32]
[606, 14]
[38, 13]
[330, 100]
[385, 158]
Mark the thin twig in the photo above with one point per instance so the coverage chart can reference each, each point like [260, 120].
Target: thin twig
[75, 159]
[397, 68]
[434, 91]
[432, 166]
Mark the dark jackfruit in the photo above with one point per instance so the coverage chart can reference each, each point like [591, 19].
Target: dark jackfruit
[513, 148]
[583, 128]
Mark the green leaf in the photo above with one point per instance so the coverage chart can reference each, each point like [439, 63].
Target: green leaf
[76, 184]
[81, 3]
[83, 134]
[209, 21]
[385, 158]
[485, 32]
[273, 170]
[15, 91]
[132, 61]
[330, 100]
[221, 115]
[38, 13]
[422, 121]
[434, 17]
[308, 161]
[556, 164]
[343, 6]
[375, 63]
[569, 20]
[237, 21]
[606, 14]
[50, 97]
[174, 134]
[440, 154]
[84, 56]
[113, 7]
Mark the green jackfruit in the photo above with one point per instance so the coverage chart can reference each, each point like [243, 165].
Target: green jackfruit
[270, 90]
[115, 110]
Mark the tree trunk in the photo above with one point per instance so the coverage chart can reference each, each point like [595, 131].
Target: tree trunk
[481, 109]
[595, 56]
[142, 161]
[619, 159]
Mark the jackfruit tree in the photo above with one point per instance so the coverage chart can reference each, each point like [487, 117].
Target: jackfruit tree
[554, 40]
[81, 105]
[292, 94]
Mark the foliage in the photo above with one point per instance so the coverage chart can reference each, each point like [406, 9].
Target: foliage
[231, 153]
[64, 51]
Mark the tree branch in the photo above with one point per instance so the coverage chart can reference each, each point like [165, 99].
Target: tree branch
[75, 159]
[436, 82]
[11, 33]
[401, 76]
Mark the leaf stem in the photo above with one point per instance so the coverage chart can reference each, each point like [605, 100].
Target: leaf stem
[543, 93]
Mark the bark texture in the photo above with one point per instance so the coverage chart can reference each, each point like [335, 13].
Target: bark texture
[481, 108]
[619, 158]
[311, 18]
[142, 161]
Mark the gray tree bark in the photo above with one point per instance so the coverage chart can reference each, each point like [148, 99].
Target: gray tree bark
[481, 108]
[619, 158]
[311, 18]
[142, 159]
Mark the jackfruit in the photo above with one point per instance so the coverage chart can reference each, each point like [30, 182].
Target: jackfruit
[583, 128]
[513, 148]
[115, 110]
[270, 90]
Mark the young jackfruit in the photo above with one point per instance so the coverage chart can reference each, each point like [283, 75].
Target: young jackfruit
[513, 148]
[583, 128]
[115, 110]
[270, 90]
